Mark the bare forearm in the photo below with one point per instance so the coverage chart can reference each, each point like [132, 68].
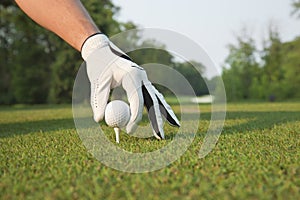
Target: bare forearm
[66, 18]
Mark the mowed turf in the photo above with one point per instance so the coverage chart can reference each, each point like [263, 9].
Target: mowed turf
[257, 157]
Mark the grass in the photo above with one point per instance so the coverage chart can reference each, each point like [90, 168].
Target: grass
[256, 157]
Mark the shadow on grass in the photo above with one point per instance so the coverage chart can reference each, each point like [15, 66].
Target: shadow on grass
[236, 122]
[21, 128]
[239, 121]
[37, 107]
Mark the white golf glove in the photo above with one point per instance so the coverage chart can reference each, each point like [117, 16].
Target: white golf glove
[109, 67]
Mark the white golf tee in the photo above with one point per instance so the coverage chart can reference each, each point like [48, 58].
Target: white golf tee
[117, 131]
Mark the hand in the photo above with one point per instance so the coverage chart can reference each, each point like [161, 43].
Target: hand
[109, 67]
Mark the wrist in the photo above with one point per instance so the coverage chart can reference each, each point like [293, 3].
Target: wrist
[92, 43]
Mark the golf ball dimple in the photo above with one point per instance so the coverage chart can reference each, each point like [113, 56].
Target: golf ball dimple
[117, 114]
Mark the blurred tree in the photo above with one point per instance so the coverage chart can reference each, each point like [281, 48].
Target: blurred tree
[193, 71]
[291, 69]
[156, 53]
[25, 54]
[242, 68]
[6, 3]
[6, 95]
[296, 8]
[274, 77]
[36, 65]
[272, 61]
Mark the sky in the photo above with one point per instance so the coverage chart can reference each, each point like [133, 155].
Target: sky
[213, 24]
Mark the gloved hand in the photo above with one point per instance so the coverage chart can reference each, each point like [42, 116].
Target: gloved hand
[109, 67]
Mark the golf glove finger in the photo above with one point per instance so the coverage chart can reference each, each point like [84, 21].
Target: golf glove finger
[109, 67]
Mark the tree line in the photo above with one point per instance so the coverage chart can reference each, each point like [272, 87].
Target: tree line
[272, 73]
[38, 67]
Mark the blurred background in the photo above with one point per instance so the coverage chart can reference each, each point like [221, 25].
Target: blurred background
[255, 45]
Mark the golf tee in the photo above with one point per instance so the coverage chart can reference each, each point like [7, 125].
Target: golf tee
[117, 131]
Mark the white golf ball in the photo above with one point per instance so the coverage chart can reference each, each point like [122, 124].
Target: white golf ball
[117, 114]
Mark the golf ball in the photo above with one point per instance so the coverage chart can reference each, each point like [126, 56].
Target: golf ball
[117, 114]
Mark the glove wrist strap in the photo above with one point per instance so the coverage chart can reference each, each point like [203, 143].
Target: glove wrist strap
[93, 42]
